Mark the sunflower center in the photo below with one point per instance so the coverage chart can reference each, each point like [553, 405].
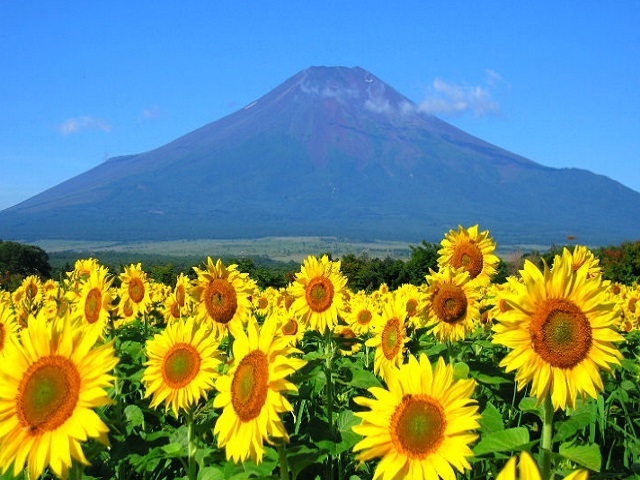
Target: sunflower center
[127, 309]
[417, 426]
[47, 394]
[364, 317]
[180, 295]
[181, 365]
[450, 303]
[290, 328]
[31, 291]
[92, 305]
[136, 290]
[250, 385]
[263, 303]
[319, 294]
[412, 307]
[221, 300]
[468, 256]
[632, 304]
[391, 338]
[560, 333]
[175, 309]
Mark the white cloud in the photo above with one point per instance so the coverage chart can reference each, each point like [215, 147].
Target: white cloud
[150, 113]
[85, 122]
[450, 99]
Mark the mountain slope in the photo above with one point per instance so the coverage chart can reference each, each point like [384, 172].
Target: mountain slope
[332, 151]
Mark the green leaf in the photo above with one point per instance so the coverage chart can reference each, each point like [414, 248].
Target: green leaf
[491, 420]
[301, 457]
[460, 371]
[173, 450]
[528, 405]
[364, 379]
[578, 420]
[502, 441]
[490, 379]
[134, 416]
[585, 455]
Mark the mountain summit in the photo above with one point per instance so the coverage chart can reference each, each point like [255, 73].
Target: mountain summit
[332, 151]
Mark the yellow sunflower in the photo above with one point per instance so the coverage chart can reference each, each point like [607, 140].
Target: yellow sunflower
[223, 296]
[181, 292]
[251, 393]
[170, 309]
[182, 365]
[289, 325]
[453, 302]
[471, 250]
[52, 379]
[528, 470]
[415, 303]
[8, 324]
[94, 302]
[581, 256]
[347, 340]
[134, 290]
[390, 335]
[319, 293]
[560, 332]
[363, 313]
[421, 426]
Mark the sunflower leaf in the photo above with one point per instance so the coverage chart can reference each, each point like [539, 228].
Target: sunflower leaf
[585, 455]
[502, 441]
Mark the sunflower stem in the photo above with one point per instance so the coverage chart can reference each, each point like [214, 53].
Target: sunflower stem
[282, 456]
[328, 370]
[191, 446]
[546, 441]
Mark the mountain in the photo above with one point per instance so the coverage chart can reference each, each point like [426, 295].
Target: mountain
[332, 151]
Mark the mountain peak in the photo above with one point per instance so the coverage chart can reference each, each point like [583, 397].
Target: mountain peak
[332, 151]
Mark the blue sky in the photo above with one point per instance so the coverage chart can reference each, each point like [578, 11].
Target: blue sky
[556, 82]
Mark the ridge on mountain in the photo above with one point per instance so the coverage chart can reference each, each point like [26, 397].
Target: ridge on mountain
[332, 151]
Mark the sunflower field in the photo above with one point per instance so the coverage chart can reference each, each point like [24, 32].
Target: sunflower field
[212, 377]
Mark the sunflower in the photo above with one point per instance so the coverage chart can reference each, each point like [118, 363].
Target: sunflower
[453, 301]
[390, 335]
[134, 290]
[182, 365]
[223, 295]
[289, 325]
[8, 324]
[251, 393]
[181, 292]
[347, 340]
[415, 303]
[470, 250]
[319, 293]
[52, 379]
[94, 301]
[560, 332]
[170, 309]
[421, 425]
[363, 313]
[581, 256]
[528, 470]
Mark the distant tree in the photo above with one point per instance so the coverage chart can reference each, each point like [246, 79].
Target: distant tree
[620, 263]
[423, 258]
[20, 259]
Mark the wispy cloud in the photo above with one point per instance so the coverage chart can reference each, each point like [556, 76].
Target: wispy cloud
[150, 113]
[451, 99]
[85, 122]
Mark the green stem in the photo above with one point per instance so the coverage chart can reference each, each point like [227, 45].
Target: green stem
[191, 446]
[546, 441]
[282, 456]
[328, 369]
[75, 472]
